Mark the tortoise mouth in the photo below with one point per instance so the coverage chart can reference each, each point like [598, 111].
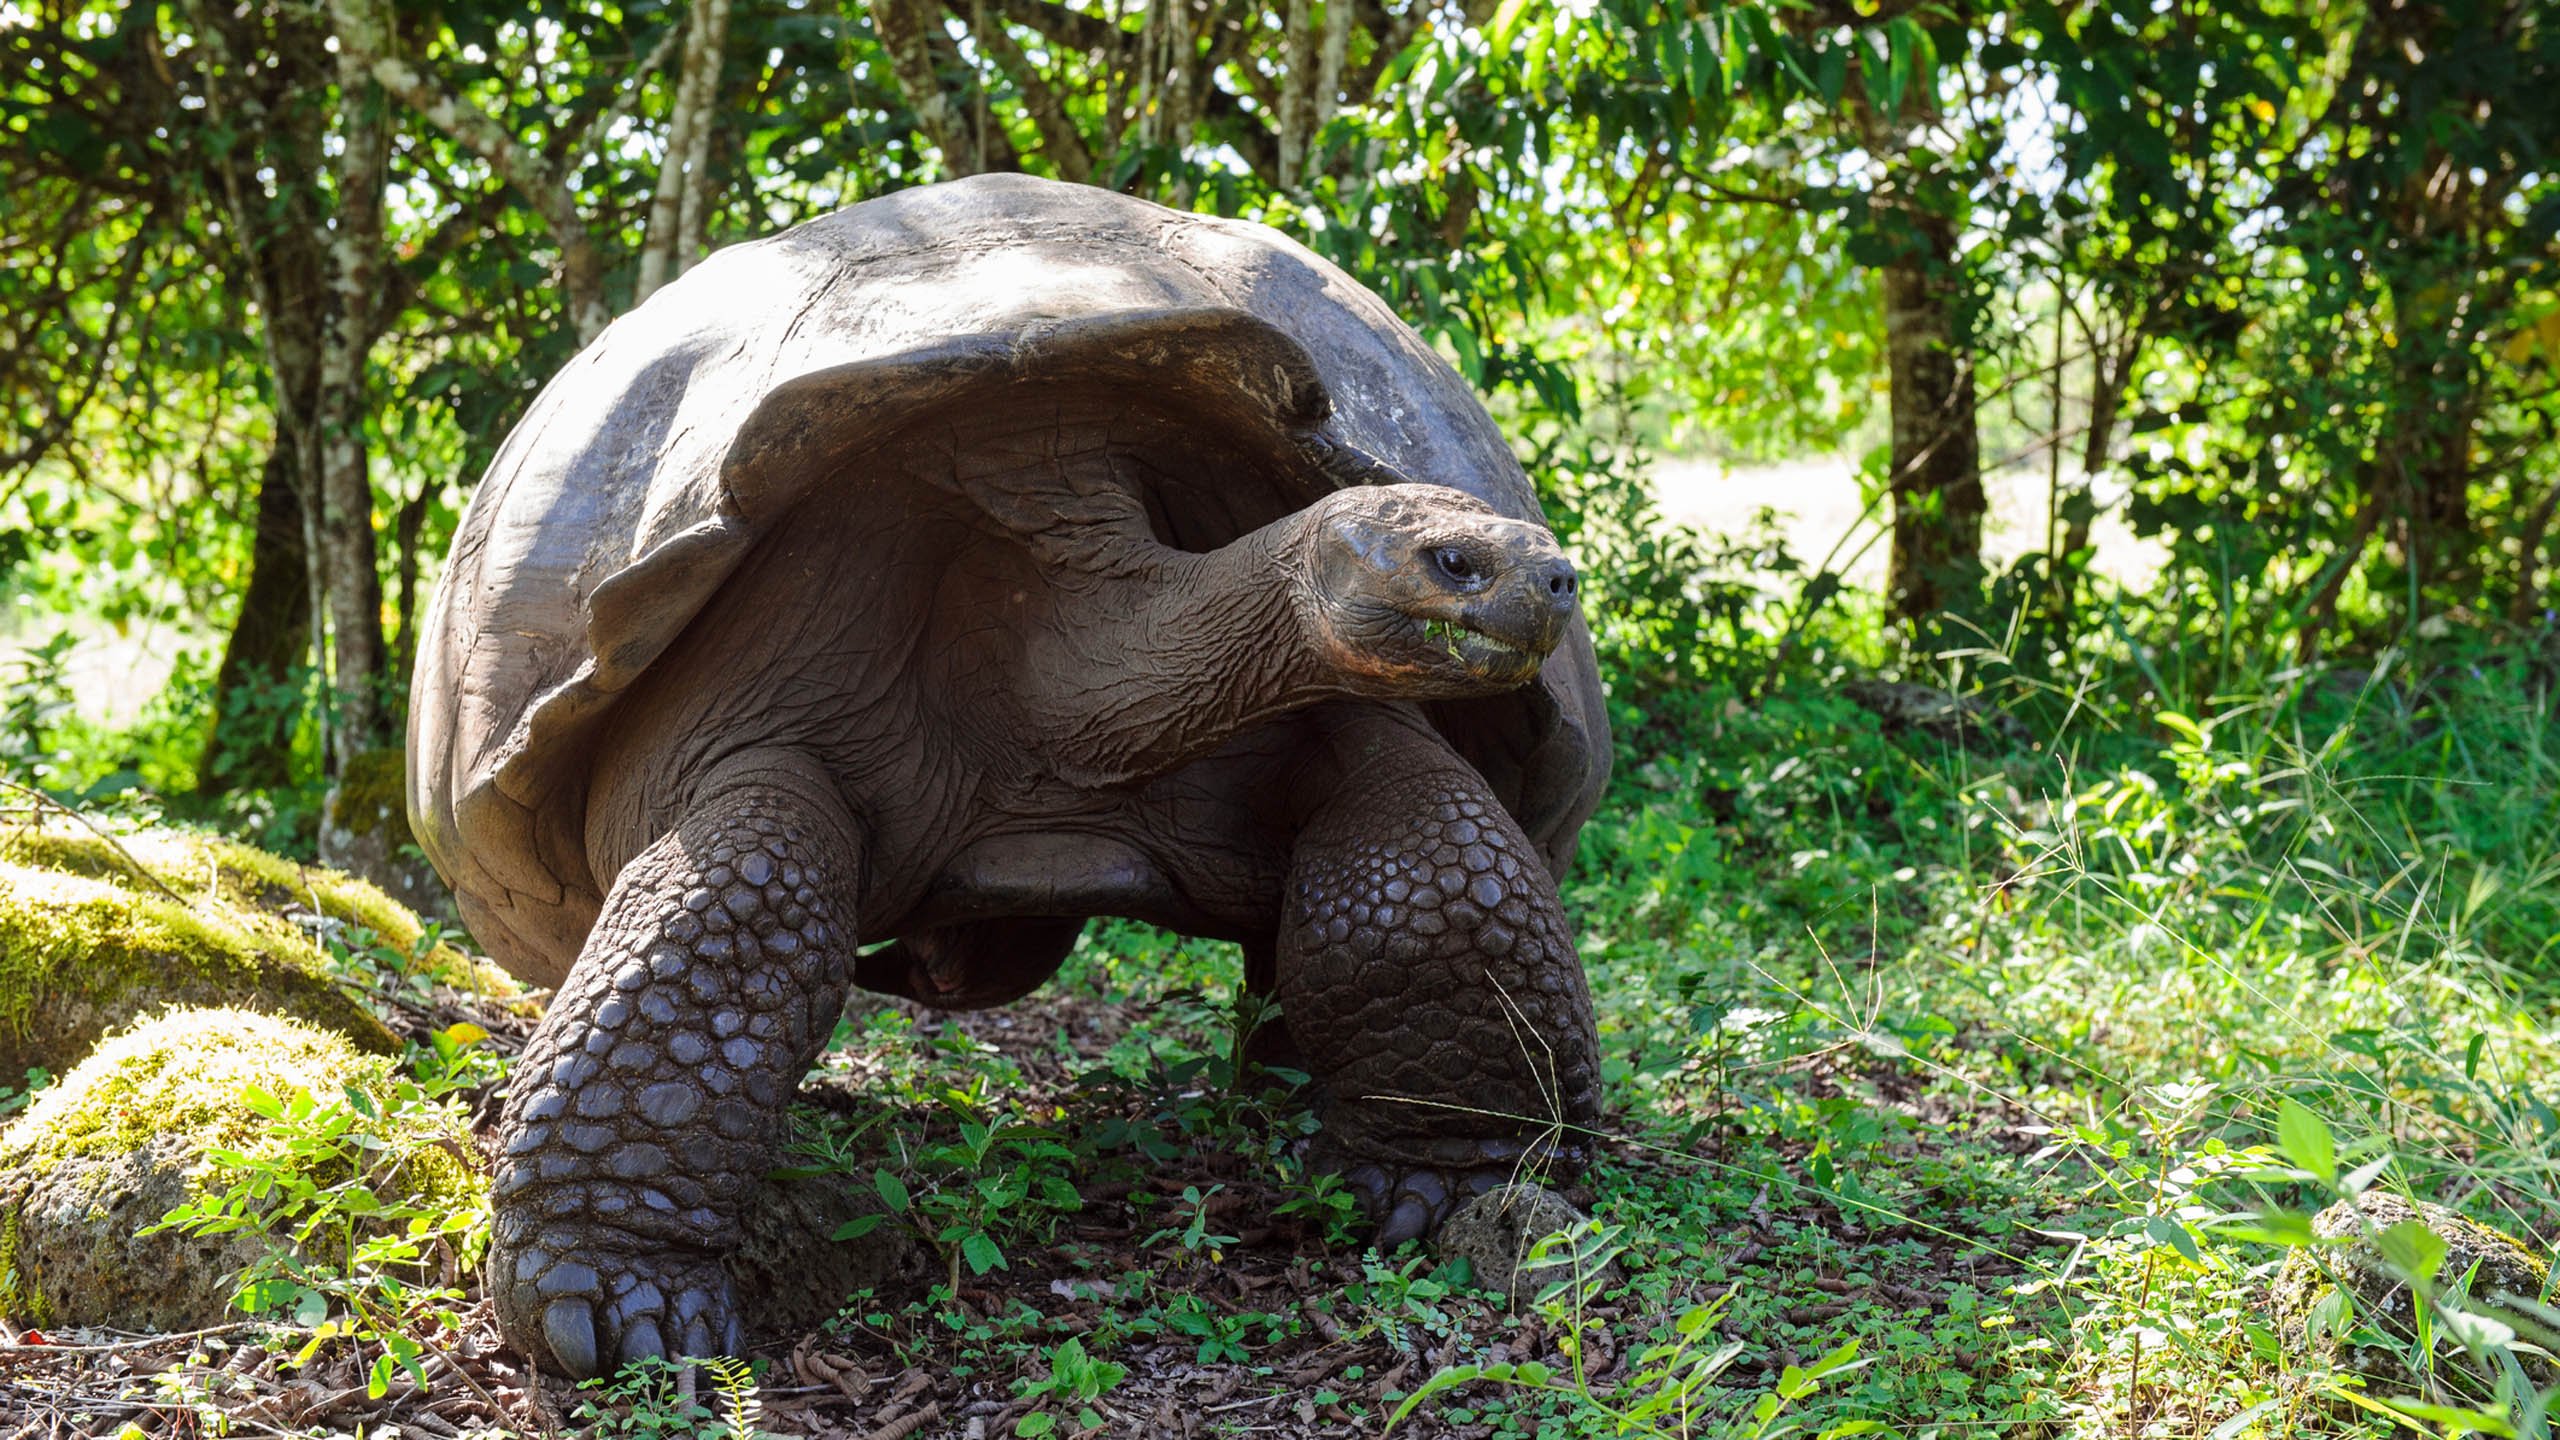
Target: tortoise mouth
[1483, 653]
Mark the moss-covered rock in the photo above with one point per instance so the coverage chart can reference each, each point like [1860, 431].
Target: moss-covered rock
[1496, 1231]
[2504, 1273]
[87, 943]
[261, 886]
[80, 956]
[119, 1142]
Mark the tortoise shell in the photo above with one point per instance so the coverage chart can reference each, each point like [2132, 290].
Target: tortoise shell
[644, 475]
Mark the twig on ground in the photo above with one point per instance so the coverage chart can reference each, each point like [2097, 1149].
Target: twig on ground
[906, 1425]
[41, 798]
[41, 1352]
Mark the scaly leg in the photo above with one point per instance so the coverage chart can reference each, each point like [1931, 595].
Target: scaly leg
[652, 1098]
[1426, 972]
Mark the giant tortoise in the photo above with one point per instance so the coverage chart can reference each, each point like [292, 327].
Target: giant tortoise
[947, 571]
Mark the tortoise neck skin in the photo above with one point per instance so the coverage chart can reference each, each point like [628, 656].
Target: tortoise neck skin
[1403, 592]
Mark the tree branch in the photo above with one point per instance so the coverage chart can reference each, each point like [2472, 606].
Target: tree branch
[1060, 140]
[921, 55]
[365, 31]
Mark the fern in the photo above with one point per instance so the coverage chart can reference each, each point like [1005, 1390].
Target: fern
[737, 1382]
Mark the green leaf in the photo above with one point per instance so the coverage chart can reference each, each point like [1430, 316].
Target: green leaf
[2304, 1138]
[2165, 1231]
[1448, 1379]
[2474, 1330]
[2237, 1424]
[2415, 1251]
[1831, 73]
[2270, 1227]
[982, 1253]
[2455, 1421]
[2361, 1178]
[1706, 67]
[892, 1191]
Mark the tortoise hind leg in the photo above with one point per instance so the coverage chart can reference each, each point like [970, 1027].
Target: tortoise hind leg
[652, 1098]
[1426, 972]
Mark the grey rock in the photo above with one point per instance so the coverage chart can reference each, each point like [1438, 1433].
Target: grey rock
[2509, 1273]
[1496, 1232]
[1965, 720]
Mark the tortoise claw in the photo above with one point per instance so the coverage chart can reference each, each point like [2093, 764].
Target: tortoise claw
[569, 1328]
[643, 1342]
[1409, 1204]
[1410, 1220]
[588, 1316]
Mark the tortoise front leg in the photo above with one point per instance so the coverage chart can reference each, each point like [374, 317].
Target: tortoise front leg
[1426, 973]
[652, 1098]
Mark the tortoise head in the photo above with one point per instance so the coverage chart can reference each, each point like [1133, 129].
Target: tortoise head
[1425, 592]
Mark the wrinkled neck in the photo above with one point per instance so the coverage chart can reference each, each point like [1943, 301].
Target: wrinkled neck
[1171, 653]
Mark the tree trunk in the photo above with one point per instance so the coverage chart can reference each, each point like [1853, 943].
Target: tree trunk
[1937, 466]
[663, 254]
[346, 545]
[2441, 540]
[251, 743]
[405, 531]
[368, 55]
[925, 64]
[1060, 141]
[703, 74]
[2425, 461]
[1298, 88]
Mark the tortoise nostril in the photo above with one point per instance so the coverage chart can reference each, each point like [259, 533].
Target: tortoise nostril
[1561, 581]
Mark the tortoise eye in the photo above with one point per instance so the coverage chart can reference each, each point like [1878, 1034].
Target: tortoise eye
[1453, 562]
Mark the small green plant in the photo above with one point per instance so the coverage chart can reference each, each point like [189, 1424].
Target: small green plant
[1074, 1379]
[207, 1395]
[1221, 1336]
[361, 1244]
[993, 1182]
[456, 1058]
[1320, 1198]
[1669, 1388]
[35, 693]
[1192, 1237]
[14, 1099]
[1392, 1300]
[648, 1400]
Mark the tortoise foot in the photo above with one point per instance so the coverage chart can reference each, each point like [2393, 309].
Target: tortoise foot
[589, 1300]
[1408, 1198]
[649, 1107]
[1424, 967]
[1408, 1204]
